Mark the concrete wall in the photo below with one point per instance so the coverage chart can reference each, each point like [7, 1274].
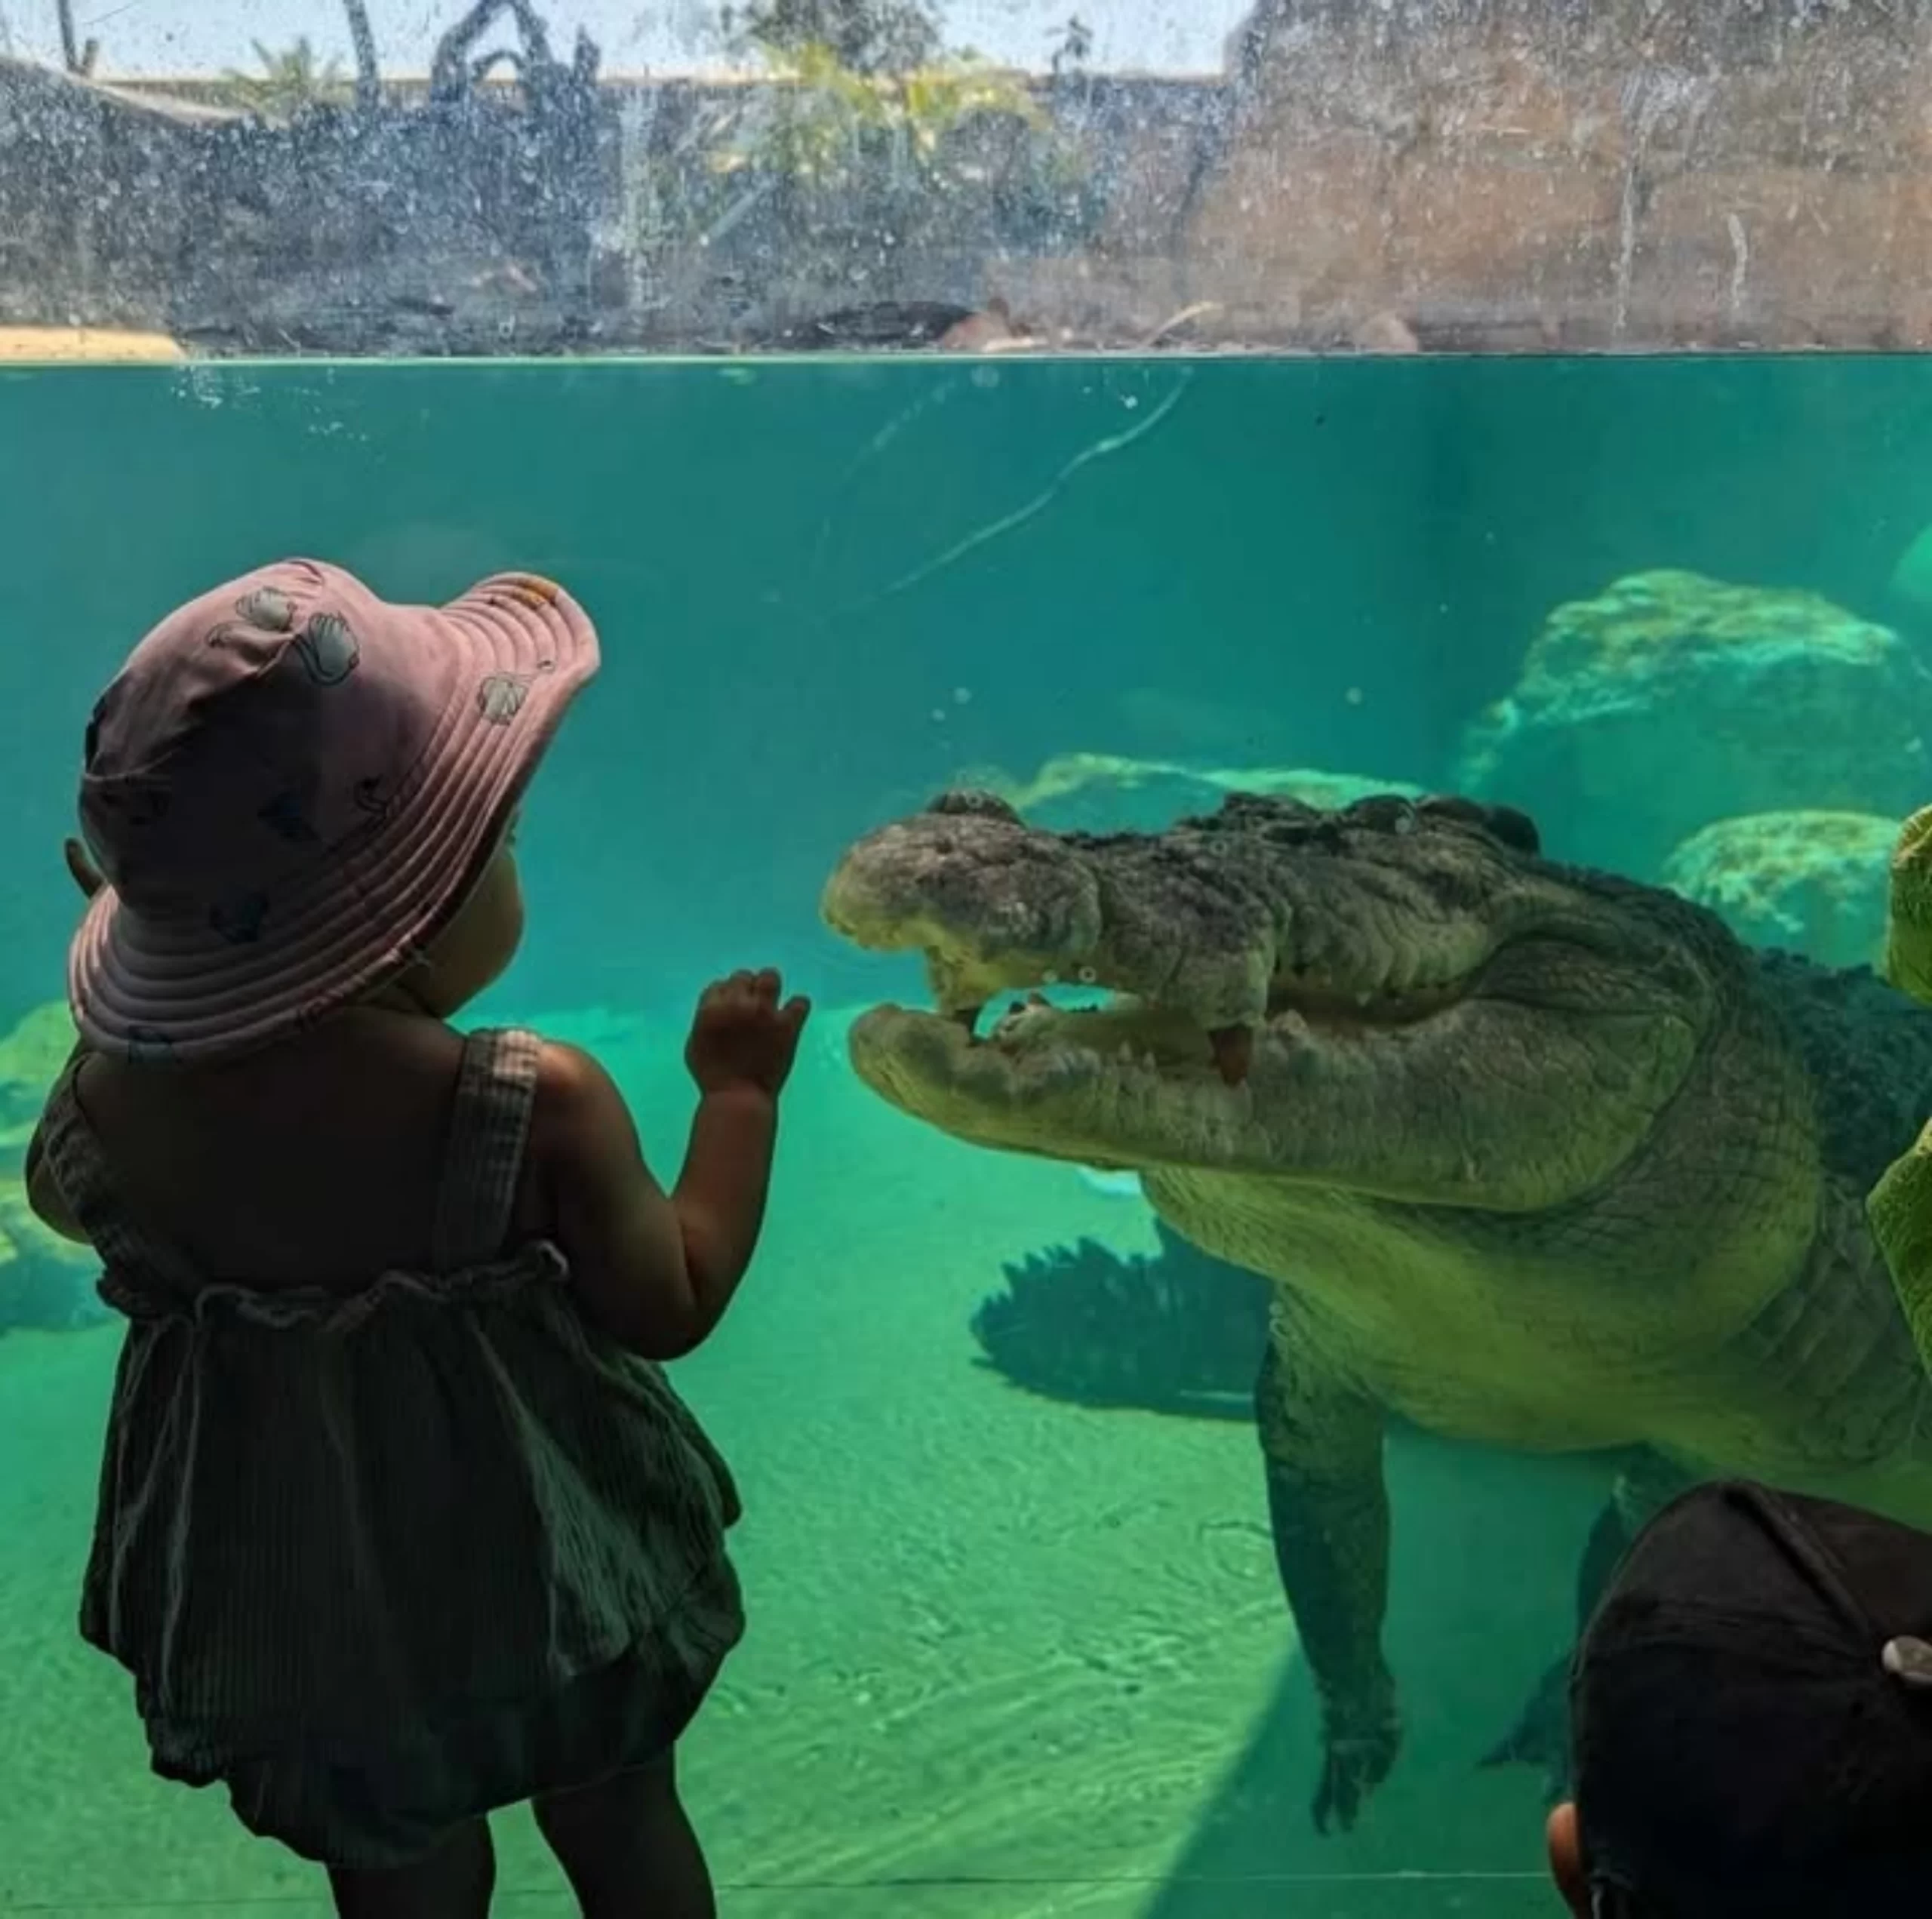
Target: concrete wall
[1689, 172]
[1498, 173]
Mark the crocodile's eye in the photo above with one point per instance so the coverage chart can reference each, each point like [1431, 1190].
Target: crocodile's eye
[1513, 828]
[973, 799]
[1453, 806]
[1383, 813]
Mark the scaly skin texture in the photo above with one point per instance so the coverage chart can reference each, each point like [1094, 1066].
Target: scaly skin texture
[1532, 1155]
[1909, 917]
[1900, 1205]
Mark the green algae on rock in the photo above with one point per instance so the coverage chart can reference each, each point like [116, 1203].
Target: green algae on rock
[43, 1278]
[1113, 792]
[1671, 699]
[31, 1057]
[1814, 882]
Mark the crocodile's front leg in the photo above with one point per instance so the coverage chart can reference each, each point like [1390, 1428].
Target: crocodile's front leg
[1328, 1511]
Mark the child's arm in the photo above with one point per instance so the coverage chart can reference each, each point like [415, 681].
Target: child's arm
[655, 1271]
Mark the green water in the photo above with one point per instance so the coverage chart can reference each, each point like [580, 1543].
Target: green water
[1010, 1656]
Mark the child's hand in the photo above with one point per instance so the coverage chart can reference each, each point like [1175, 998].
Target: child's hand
[742, 1036]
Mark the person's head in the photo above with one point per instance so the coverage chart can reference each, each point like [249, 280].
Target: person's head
[302, 797]
[1752, 1717]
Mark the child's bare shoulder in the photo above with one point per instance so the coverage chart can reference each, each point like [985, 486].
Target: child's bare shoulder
[578, 1105]
[570, 1076]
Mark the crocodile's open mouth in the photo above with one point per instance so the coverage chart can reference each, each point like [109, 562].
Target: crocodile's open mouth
[1030, 1035]
[1410, 1009]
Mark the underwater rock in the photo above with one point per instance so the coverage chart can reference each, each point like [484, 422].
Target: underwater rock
[46, 1282]
[1910, 586]
[1671, 700]
[31, 1057]
[1112, 793]
[1178, 1331]
[1813, 882]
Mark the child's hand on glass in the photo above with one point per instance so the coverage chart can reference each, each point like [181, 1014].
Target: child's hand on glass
[742, 1036]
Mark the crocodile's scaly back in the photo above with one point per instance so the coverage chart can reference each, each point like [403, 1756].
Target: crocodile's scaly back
[1867, 1050]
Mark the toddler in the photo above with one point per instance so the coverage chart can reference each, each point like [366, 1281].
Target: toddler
[399, 1521]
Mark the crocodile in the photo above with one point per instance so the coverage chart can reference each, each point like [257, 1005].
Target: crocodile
[1900, 1206]
[1530, 1155]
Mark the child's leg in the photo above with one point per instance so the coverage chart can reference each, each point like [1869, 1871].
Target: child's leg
[453, 1882]
[627, 1848]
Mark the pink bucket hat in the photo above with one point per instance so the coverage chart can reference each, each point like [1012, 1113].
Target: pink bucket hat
[292, 786]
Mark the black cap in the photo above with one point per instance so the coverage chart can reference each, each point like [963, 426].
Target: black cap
[1751, 1707]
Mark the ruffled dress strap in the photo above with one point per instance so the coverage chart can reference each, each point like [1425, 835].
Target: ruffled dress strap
[483, 1156]
[147, 1276]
